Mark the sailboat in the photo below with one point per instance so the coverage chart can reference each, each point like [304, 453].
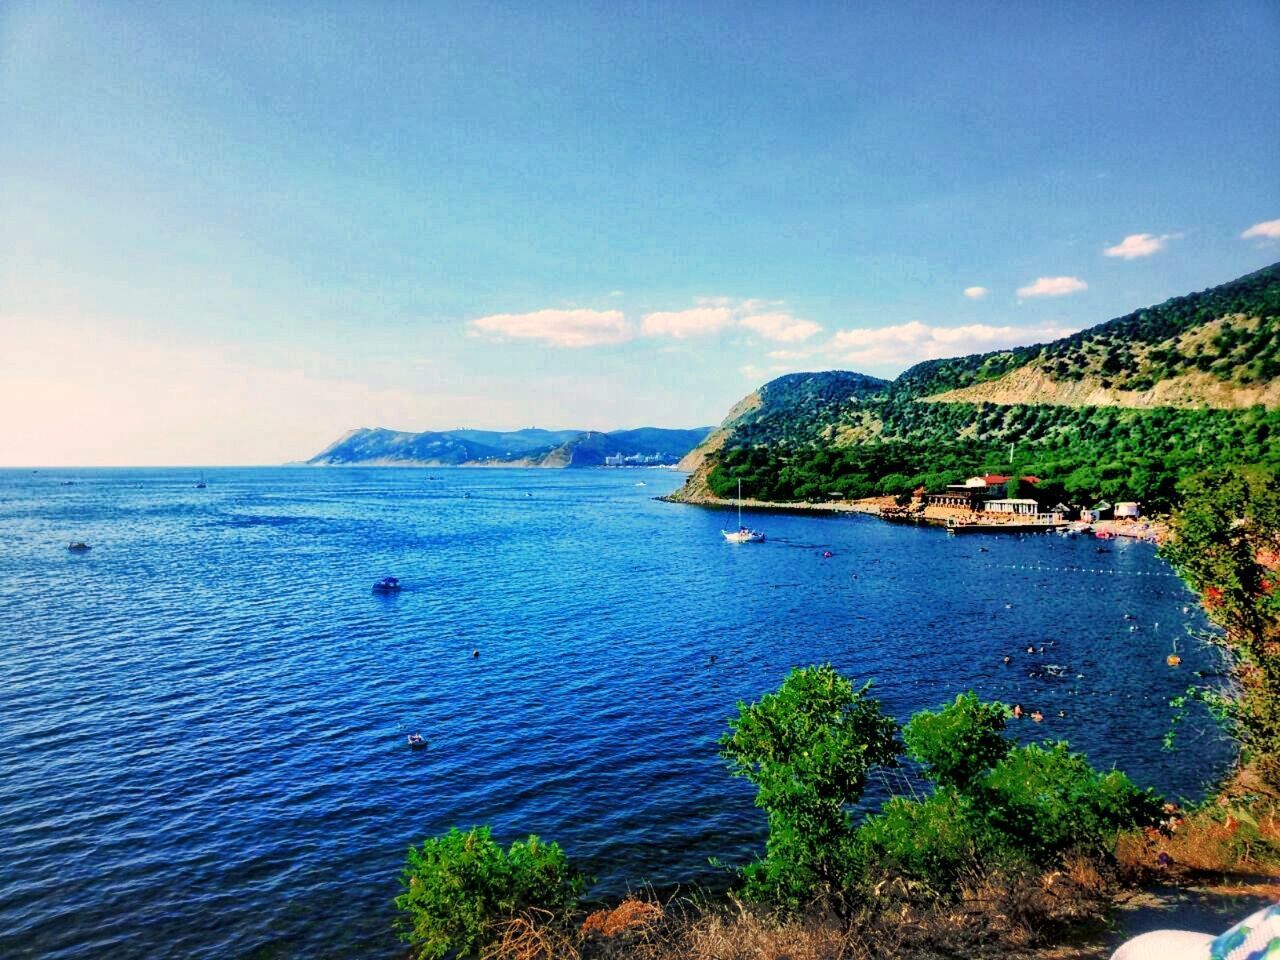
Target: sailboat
[743, 534]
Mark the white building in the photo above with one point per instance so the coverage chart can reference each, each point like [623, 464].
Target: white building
[1128, 509]
[1012, 506]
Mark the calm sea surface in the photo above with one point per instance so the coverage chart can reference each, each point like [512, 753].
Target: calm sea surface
[203, 719]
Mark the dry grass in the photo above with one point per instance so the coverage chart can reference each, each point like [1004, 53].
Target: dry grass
[532, 936]
[997, 915]
[1226, 838]
[630, 915]
[1238, 834]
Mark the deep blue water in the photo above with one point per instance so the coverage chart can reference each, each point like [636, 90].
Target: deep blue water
[202, 720]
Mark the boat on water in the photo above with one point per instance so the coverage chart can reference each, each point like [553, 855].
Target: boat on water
[743, 534]
[78, 546]
[200, 484]
[416, 740]
[387, 585]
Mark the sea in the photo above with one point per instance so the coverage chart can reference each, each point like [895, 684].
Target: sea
[203, 718]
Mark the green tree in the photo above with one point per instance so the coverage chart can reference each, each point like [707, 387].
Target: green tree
[959, 742]
[808, 749]
[459, 885]
[1225, 542]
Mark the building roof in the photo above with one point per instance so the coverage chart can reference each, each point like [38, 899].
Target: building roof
[993, 479]
[1022, 500]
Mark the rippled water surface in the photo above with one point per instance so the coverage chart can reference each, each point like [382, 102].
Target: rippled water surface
[203, 719]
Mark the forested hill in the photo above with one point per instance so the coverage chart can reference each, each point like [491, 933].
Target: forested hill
[1217, 348]
[1124, 410]
[529, 447]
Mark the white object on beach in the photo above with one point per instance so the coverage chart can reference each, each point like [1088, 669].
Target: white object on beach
[1257, 937]
[1166, 945]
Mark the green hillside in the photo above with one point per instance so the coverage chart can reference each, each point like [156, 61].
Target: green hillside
[1168, 391]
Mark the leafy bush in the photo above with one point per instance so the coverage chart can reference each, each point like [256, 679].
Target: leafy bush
[808, 749]
[995, 804]
[932, 840]
[459, 886]
[960, 742]
[1046, 800]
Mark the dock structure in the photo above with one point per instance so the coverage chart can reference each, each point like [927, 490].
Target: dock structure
[1025, 523]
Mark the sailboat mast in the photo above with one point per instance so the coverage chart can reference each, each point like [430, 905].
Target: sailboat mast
[739, 504]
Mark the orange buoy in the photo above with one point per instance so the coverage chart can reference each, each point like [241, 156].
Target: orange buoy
[1173, 659]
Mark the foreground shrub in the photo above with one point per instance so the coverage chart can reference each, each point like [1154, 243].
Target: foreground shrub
[1046, 800]
[933, 841]
[460, 889]
[959, 742]
[996, 806]
[808, 749]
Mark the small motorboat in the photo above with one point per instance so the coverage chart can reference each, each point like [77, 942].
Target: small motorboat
[387, 585]
[78, 546]
[416, 740]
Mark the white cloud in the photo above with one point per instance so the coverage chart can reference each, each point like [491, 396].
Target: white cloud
[976, 293]
[891, 349]
[560, 328]
[780, 327]
[1053, 287]
[1267, 230]
[682, 324]
[1139, 245]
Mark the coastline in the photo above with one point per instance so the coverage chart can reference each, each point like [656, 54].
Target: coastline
[886, 509]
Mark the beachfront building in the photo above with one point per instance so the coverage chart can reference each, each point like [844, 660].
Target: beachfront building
[975, 492]
[1060, 510]
[1020, 506]
[1128, 509]
[1099, 511]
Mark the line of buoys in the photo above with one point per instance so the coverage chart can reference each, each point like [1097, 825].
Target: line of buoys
[1041, 569]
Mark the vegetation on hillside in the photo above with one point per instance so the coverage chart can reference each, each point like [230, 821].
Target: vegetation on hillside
[1135, 351]
[815, 434]
[1082, 453]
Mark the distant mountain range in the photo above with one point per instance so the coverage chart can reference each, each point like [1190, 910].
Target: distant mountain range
[1125, 409]
[519, 448]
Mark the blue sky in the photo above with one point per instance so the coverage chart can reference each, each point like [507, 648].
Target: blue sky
[230, 232]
